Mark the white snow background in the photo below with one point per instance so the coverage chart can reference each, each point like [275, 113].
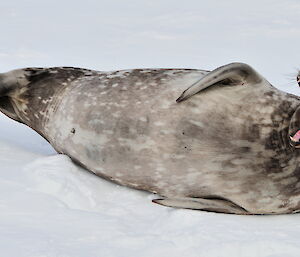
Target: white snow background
[49, 207]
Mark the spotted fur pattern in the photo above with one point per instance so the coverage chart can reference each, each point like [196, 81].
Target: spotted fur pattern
[227, 142]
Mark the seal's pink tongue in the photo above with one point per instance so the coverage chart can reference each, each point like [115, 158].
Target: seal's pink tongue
[296, 137]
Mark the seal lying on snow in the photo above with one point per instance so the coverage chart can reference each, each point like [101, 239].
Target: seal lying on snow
[228, 144]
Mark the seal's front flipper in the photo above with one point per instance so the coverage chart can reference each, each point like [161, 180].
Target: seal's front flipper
[230, 74]
[213, 205]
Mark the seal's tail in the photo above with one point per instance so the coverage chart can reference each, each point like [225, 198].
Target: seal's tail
[12, 87]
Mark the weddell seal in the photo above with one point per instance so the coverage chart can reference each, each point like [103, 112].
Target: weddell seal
[227, 144]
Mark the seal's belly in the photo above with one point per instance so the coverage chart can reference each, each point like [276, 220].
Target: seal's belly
[144, 139]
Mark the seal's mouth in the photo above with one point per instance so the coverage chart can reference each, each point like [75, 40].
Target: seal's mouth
[295, 139]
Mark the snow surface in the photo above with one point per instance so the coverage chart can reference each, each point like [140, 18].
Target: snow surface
[49, 207]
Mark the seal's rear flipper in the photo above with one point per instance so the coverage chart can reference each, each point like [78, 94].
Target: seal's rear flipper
[14, 87]
[230, 74]
[213, 205]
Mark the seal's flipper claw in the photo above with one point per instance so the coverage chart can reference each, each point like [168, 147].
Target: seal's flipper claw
[192, 90]
[212, 205]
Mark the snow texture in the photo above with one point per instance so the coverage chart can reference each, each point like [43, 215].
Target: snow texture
[49, 207]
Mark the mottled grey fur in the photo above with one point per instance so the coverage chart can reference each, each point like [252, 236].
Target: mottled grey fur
[224, 146]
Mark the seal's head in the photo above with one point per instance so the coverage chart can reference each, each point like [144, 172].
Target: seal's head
[294, 129]
[296, 139]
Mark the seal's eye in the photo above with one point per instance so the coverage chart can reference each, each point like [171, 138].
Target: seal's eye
[298, 79]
